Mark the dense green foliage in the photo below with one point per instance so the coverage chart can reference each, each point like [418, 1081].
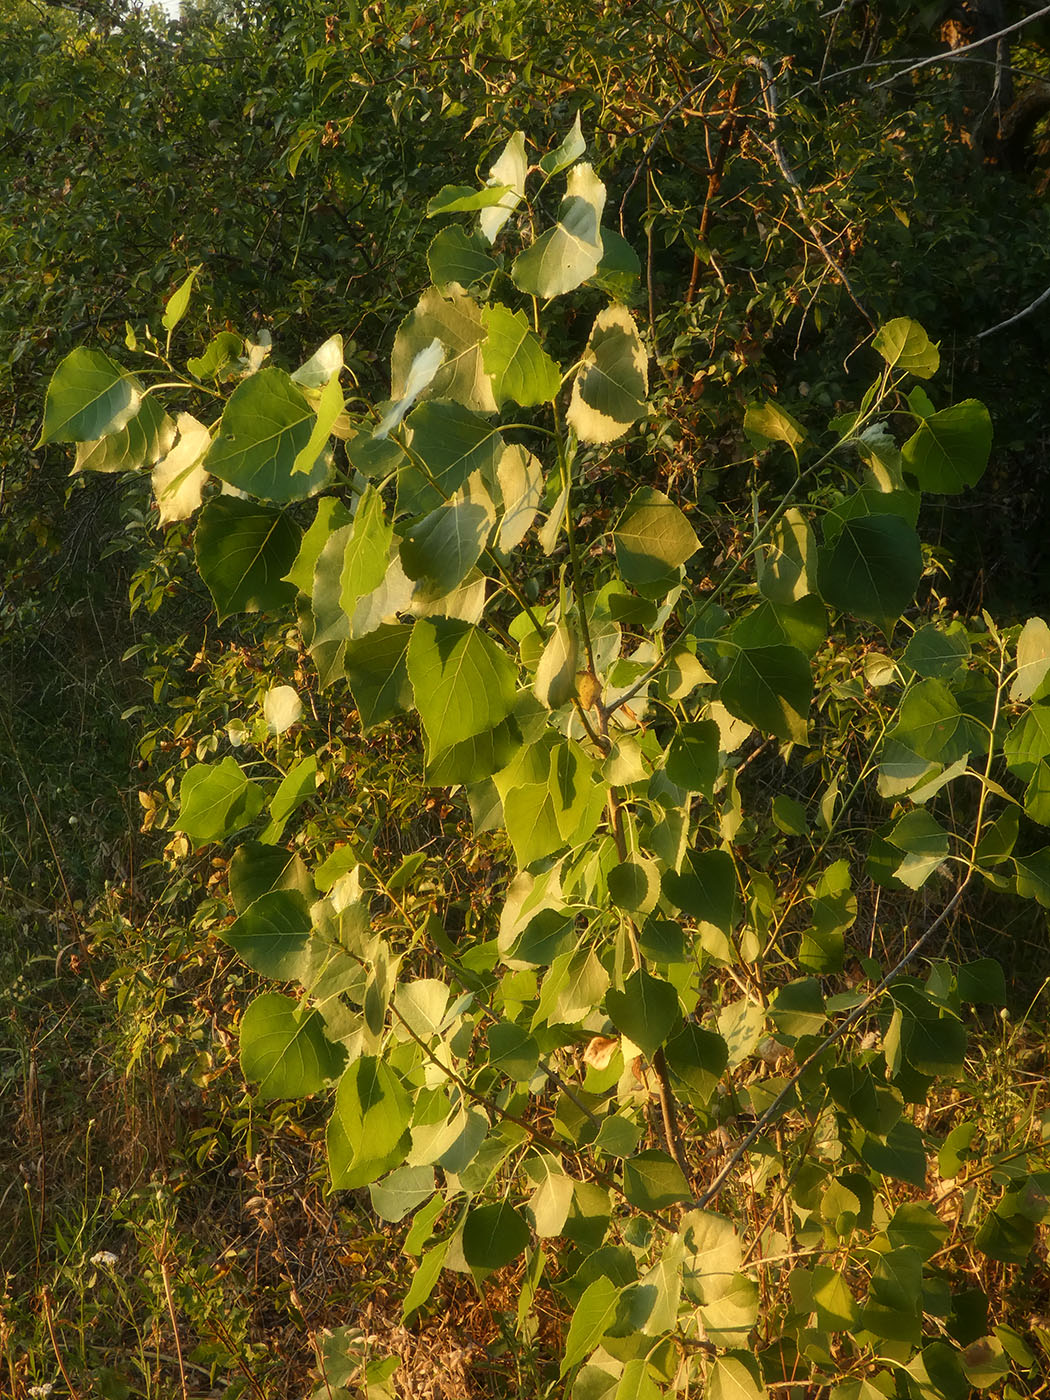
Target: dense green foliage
[596, 765]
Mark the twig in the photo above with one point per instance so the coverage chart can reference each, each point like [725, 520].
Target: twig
[769, 98]
[1012, 320]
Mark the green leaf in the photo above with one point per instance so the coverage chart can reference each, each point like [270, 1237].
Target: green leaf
[564, 257]
[652, 1181]
[789, 816]
[732, 1379]
[768, 422]
[377, 673]
[931, 724]
[453, 443]
[634, 887]
[463, 682]
[949, 450]
[787, 565]
[1033, 876]
[937, 653]
[555, 683]
[591, 1319]
[266, 424]
[272, 933]
[619, 269]
[456, 256]
[698, 1058]
[89, 397]
[653, 540]
[465, 199]
[612, 382]
[297, 786]
[1028, 742]
[222, 350]
[453, 319]
[872, 569]
[1033, 659]
[367, 554]
[770, 688]
[284, 1048]
[692, 757]
[176, 305]
[368, 1130]
[903, 344]
[424, 1280]
[256, 869]
[399, 1193]
[645, 1011]
[494, 1235]
[329, 407]
[439, 551]
[925, 844]
[520, 367]
[143, 441]
[705, 888]
[215, 800]
[244, 551]
[508, 174]
[563, 155]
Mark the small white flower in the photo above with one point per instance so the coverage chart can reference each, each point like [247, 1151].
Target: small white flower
[104, 1259]
[41, 1392]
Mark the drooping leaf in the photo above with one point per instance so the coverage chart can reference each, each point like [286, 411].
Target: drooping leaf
[323, 365]
[330, 407]
[1033, 659]
[366, 555]
[612, 383]
[266, 424]
[925, 845]
[223, 350]
[591, 1319]
[949, 450]
[284, 1048]
[368, 1130]
[520, 477]
[507, 174]
[565, 256]
[421, 372]
[176, 305]
[143, 440]
[569, 149]
[89, 397]
[453, 319]
[179, 477]
[298, 785]
[244, 551]
[787, 566]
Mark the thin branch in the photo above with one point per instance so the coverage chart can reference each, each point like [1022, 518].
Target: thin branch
[1012, 320]
[948, 57]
